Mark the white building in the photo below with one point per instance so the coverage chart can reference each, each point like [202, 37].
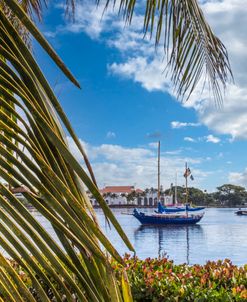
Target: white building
[117, 195]
[128, 195]
[151, 199]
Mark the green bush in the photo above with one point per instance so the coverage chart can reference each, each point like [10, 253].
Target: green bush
[162, 280]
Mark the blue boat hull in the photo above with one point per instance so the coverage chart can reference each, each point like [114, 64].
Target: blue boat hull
[163, 209]
[166, 220]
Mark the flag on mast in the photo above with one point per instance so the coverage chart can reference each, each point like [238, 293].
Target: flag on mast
[187, 172]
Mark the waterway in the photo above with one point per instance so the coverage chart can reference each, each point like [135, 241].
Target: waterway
[220, 234]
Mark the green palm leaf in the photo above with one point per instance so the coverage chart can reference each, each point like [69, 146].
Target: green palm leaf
[193, 51]
[34, 152]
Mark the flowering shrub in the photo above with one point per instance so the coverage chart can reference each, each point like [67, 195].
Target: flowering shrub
[162, 280]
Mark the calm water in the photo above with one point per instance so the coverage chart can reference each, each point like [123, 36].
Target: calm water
[220, 234]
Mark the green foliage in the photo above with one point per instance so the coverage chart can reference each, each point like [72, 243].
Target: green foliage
[195, 196]
[32, 119]
[231, 195]
[226, 195]
[131, 196]
[162, 280]
[154, 280]
[190, 46]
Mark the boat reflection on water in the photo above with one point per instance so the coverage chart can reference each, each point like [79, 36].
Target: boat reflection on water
[171, 241]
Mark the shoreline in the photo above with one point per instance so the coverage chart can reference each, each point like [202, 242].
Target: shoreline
[153, 207]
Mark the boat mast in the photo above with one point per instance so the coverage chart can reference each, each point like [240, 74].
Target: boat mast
[186, 184]
[158, 195]
[176, 189]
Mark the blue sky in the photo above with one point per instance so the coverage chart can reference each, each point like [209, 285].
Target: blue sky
[126, 103]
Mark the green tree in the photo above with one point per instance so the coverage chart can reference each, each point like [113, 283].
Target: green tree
[210, 199]
[131, 196]
[180, 194]
[195, 196]
[231, 195]
[114, 195]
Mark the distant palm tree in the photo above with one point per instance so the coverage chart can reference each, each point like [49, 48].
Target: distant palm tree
[146, 191]
[152, 190]
[108, 194]
[131, 196]
[143, 194]
[114, 195]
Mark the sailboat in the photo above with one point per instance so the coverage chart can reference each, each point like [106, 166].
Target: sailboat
[176, 217]
[175, 209]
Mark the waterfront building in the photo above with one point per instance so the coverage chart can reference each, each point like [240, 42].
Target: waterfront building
[129, 195]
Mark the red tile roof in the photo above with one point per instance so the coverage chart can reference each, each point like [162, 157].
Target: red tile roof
[119, 189]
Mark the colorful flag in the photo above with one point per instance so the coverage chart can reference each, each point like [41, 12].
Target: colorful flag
[187, 172]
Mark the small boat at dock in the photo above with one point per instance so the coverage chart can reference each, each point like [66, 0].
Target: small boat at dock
[241, 212]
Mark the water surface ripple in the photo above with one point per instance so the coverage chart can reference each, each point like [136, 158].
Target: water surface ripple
[220, 234]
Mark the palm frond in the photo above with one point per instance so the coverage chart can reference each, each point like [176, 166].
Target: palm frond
[193, 51]
[34, 152]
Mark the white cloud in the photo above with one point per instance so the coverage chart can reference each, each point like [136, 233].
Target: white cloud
[209, 139]
[177, 124]
[153, 145]
[189, 139]
[154, 135]
[90, 19]
[228, 19]
[147, 73]
[238, 178]
[110, 134]
[220, 155]
[173, 152]
[212, 139]
[50, 34]
[142, 64]
[231, 118]
[118, 165]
